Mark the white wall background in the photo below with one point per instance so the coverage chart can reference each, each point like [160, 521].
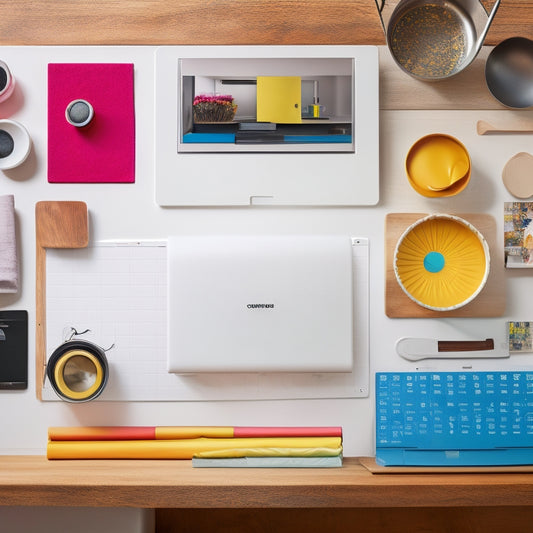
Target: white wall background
[128, 211]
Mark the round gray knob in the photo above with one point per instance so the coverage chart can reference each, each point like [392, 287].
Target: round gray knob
[79, 113]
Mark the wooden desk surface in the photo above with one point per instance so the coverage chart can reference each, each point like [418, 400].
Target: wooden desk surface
[33, 480]
[77, 22]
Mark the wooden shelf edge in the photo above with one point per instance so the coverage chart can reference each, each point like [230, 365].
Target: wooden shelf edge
[35, 481]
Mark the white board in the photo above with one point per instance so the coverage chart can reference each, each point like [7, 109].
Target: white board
[118, 291]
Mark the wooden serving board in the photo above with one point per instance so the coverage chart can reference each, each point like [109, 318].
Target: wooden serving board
[490, 302]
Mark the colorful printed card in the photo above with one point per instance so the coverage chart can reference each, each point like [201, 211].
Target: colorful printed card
[518, 234]
[520, 337]
[104, 150]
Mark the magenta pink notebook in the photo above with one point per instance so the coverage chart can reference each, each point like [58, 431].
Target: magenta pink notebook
[104, 150]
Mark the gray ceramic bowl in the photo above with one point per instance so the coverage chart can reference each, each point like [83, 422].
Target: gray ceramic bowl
[509, 72]
[15, 144]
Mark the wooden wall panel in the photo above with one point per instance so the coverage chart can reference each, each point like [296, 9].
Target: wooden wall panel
[81, 22]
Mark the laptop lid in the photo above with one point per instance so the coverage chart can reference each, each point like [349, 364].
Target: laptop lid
[260, 304]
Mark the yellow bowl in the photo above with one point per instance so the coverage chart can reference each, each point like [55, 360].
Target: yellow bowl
[442, 262]
[438, 165]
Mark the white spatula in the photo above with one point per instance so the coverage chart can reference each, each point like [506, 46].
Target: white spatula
[416, 349]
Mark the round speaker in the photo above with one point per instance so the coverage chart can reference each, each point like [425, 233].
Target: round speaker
[78, 371]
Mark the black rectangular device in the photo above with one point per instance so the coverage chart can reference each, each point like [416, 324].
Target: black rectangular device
[13, 350]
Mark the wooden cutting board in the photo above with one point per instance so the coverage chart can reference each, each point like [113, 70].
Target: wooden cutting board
[489, 303]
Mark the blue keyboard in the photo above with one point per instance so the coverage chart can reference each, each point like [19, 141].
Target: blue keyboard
[454, 418]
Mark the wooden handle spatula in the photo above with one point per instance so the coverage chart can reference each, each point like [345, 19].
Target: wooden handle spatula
[485, 128]
[58, 224]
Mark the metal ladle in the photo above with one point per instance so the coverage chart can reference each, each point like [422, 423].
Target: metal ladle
[509, 72]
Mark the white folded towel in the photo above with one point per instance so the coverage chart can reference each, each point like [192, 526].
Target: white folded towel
[9, 267]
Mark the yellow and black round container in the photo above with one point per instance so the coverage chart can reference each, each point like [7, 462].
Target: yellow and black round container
[78, 371]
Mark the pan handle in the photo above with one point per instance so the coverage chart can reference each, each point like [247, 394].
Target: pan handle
[491, 16]
[385, 9]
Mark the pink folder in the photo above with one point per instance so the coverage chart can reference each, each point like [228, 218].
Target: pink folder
[104, 150]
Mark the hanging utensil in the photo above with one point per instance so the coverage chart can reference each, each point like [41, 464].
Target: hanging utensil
[516, 126]
[58, 224]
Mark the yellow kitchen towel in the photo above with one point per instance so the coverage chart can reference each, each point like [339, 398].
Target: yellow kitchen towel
[177, 449]
[271, 452]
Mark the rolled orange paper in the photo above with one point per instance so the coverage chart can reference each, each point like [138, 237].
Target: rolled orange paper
[178, 449]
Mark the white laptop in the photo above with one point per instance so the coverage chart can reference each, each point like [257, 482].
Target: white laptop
[260, 304]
